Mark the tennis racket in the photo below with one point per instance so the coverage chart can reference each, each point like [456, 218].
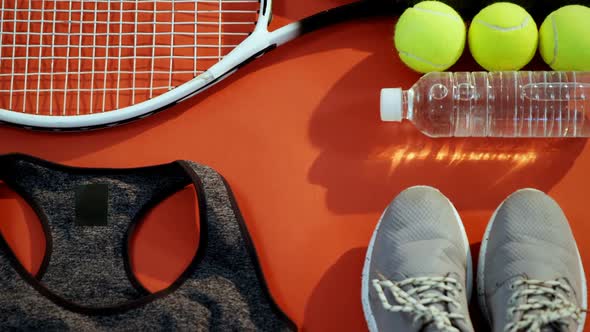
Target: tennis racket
[87, 64]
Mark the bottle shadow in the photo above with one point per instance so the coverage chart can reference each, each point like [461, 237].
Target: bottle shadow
[364, 162]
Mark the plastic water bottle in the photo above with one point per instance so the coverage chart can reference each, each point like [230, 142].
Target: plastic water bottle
[494, 104]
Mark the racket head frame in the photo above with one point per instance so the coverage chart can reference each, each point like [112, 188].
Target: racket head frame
[256, 44]
[259, 42]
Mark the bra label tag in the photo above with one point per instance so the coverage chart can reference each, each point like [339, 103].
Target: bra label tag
[92, 204]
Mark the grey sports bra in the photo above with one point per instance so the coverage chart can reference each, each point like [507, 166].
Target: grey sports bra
[85, 281]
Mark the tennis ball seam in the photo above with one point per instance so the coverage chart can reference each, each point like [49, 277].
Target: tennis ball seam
[555, 40]
[430, 11]
[415, 57]
[524, 23]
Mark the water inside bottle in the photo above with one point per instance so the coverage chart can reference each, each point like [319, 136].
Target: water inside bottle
[501, 104]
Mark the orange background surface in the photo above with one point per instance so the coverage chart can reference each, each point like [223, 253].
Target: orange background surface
[297, 135]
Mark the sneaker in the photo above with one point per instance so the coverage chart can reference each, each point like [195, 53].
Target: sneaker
[417, 274]
[530, 275]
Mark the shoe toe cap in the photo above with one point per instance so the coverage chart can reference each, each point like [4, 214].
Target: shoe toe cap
[530, 236]
[420, 235]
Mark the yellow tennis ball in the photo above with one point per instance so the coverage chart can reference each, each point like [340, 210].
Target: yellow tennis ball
[564, 41]
[503, 36]
[430, 36]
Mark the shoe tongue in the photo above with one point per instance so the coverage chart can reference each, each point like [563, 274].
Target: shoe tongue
[537, 271]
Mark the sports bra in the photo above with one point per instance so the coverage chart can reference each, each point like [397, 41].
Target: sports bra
[85, 282]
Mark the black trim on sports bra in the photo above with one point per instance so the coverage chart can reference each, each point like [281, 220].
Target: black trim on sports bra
[192, 177]
[252, 251]
[129, 305]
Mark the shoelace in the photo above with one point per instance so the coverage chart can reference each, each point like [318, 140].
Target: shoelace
[544, 305]
[420, 304]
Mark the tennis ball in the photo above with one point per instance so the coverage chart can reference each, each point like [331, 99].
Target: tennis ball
[430, 36]
[565, 38]
[503, 36]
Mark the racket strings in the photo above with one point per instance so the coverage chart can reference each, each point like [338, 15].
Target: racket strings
[62, 57]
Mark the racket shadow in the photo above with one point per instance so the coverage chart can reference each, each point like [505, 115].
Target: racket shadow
[293, 11]
[68, 145]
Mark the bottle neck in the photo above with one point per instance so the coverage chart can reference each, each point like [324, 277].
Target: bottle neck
[408, 104]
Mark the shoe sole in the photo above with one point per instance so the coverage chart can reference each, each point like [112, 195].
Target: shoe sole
[481, 268]
[371, 323]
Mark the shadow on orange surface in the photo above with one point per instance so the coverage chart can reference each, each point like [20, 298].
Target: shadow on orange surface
[475, 173]
[70, 145]
[50, 145]
[477, 318]
[357, 162]
[376, 160]
[289, 10]
[335, 303]
[330, 305]
[325, 311]
[65, 146]
[159, 250]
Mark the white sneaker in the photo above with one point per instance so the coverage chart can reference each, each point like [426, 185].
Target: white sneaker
[417, 274]
[530, 275]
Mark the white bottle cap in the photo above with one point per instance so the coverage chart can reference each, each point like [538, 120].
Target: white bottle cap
[391, 104]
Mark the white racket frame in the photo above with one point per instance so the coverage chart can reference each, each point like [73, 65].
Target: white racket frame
[253, 46]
